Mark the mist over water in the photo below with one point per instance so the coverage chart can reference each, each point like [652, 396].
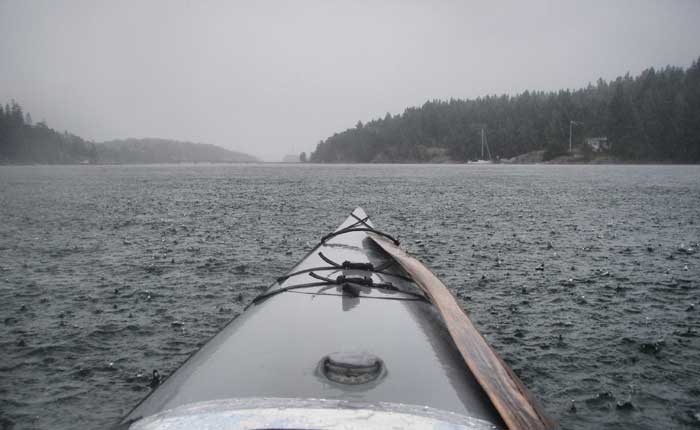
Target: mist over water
[584, 278]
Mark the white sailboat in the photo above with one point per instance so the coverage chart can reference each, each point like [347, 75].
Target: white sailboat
[484, 144]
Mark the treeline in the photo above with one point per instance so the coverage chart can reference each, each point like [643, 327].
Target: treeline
[22, 141]
[651, 117]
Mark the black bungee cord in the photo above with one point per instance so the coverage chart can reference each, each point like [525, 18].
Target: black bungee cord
[347, 265]
[341, 280]
[345, 281]
[345, 230]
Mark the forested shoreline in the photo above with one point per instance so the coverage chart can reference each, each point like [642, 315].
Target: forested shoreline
[23, 142]
[652, 117]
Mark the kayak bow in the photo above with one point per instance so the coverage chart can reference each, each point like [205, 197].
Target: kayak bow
[357, 335]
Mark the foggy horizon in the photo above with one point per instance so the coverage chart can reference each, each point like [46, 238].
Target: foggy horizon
[274, 79]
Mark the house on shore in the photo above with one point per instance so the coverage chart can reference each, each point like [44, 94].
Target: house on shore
[598, 144]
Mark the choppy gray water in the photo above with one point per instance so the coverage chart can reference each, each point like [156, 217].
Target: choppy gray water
[108, 272]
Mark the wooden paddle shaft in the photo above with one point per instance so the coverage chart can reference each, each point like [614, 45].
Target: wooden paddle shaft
[509, 396]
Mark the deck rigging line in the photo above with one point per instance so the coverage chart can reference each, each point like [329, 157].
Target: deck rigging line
[351, 229]
[360, 221]
[346, 265]
[365, 281]
[341, 280]
[344, 280]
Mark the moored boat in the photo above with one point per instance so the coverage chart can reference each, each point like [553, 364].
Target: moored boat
[356, 335]
[484, 144]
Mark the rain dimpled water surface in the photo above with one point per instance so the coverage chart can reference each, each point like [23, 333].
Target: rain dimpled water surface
[584, 278]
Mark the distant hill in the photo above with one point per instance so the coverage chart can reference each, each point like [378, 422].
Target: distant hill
[24, 142]
[151, 150]
[654, 116]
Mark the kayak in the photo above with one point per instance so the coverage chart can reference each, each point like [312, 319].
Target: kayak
[350, 337]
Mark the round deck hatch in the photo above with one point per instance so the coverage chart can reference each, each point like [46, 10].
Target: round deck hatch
[351, 368]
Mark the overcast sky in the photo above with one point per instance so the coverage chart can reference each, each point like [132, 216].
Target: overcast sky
[271, 78]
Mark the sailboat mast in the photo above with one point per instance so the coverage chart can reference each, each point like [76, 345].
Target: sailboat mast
[482, 143]
[488, 150]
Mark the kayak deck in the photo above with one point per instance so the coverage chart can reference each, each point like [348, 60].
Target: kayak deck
[277, 347]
